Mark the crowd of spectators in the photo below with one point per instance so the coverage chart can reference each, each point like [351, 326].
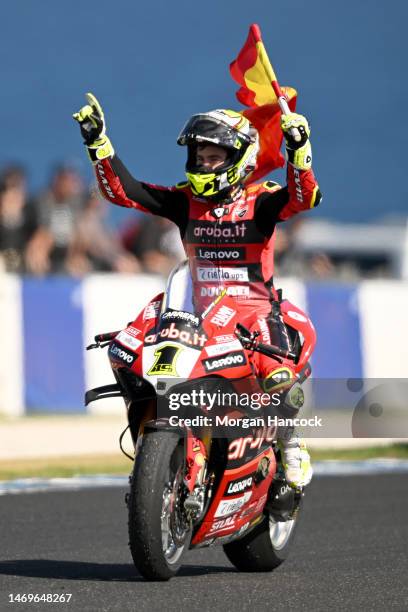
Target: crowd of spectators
[65, 230]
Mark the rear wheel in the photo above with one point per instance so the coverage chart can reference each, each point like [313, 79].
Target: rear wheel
[264, 548]
[159, 532]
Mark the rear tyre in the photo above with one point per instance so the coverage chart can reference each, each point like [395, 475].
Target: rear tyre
[264, 548]
[159, 533]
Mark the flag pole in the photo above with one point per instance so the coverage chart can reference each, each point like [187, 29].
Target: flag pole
[263, 56]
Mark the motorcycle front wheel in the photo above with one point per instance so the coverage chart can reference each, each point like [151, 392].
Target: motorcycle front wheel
[264, 548]
[159, 532]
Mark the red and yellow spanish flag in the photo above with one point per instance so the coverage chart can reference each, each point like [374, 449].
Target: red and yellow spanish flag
[253, 72]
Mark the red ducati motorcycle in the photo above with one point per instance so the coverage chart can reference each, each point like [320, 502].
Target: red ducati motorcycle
[206, 471]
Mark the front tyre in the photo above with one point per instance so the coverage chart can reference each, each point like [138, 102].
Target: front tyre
[264, 548]
[159, 532]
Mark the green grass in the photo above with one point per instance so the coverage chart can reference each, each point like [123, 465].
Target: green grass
[65, 466]
[395, 451]
[120, 465]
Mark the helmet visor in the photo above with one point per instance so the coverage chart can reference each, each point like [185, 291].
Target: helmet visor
[202, 129]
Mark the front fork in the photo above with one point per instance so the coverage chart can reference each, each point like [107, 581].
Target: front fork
[196, 460]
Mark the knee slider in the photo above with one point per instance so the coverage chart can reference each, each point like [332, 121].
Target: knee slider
[295, 397]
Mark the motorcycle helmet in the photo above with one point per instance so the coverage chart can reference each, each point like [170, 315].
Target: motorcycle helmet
[227, 129]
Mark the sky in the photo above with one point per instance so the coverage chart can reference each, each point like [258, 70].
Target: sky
[153, 64]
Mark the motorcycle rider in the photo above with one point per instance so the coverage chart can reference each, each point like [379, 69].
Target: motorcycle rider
[221, 218]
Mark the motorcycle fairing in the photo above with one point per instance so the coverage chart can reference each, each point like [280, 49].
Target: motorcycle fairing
[233, 513]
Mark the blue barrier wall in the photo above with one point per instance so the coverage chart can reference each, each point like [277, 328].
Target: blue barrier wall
[59, 316]
[53, 345]
[335, 314]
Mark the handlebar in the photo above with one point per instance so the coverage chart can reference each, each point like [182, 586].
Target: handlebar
[107, 336]
[249, 341]
[102, 340]
[271, 351]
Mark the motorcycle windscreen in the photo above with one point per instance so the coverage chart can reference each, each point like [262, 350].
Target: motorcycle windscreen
[195, 284]
[176, 344]
[179, 290]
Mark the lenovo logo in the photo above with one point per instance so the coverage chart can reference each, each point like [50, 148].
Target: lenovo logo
[233, 360]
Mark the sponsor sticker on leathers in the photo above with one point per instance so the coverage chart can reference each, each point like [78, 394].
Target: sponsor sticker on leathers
[237, 253]
[231, 290]
[205, 275]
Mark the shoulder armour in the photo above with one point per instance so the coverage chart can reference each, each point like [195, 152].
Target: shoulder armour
[182, 185]
[270, 185]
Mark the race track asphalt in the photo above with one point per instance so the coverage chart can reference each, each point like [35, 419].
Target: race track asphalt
[350, 554]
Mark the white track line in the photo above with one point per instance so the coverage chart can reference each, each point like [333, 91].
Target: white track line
[36, 485]
[321, 468]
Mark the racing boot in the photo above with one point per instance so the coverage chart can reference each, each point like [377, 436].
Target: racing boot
[295, 461]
